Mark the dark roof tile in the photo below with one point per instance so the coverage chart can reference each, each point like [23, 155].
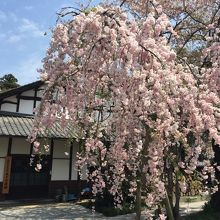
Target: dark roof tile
[22, 126]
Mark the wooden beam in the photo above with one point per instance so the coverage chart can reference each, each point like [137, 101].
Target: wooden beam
[29, 98]
[9, 146]
[8, 102]
[51, 154]
[35, 101]
[18, 104]
[71, 160]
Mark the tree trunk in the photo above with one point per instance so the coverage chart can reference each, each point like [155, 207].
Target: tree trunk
[138, 200]
[170, 185]
[168, 208]
[215, 199]
[177, 202]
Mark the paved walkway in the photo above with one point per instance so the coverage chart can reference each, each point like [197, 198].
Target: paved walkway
[191, 207]
[69, 211]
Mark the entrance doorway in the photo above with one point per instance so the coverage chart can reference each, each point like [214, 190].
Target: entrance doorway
[25, 181]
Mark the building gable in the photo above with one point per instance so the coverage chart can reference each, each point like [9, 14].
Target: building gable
[22, 99]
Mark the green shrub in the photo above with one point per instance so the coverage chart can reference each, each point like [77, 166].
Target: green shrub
[112, 211]
[109, 211]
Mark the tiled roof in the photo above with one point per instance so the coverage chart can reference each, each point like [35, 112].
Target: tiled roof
[16, 125]
[16, 114]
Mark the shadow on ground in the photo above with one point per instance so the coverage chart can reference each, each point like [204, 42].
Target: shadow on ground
[69, 211]
[47, 211]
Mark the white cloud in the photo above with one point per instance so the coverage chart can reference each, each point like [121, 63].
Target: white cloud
[8, 17]
[27, 69]
[14, 38]
[27, 29]
[31, 28]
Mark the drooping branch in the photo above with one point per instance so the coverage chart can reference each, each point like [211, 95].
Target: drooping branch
[108, 50]
[151, 52]
[189, 38]
[123, 2]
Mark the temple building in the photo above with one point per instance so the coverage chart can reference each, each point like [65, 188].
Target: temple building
[17, 178]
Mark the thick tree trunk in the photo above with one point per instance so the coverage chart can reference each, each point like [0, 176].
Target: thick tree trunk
[170, 185]
[176, 209]
[215, 199]
[168, 208]
[138, 200]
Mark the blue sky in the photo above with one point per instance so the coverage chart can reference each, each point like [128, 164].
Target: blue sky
[22, 40]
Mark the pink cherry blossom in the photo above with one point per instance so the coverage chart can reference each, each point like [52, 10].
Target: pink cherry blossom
[137, 109]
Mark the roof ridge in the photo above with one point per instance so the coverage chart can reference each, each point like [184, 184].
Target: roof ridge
[21, 89]
[16, 114]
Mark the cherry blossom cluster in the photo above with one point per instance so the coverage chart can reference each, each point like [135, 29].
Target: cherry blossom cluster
[135, 108]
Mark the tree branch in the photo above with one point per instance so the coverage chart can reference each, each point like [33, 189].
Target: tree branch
[147, 50]
[123, 2]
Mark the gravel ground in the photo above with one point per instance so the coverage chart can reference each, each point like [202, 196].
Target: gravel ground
[69, 211]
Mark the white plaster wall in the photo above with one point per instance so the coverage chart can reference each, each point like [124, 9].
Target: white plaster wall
[74, 172]
[37, 103]
[60, 169]
[74, 167]
[28, 93]
[60, 147]
[2, 162]
[3, 146]
[11, 98]
[26, 106]
[8, 107]
[20, 146]
[41, 91]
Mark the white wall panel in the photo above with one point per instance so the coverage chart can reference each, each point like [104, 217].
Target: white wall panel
[28, 93]
[2, 162]
[60, 147]
[74, 168]
[11, 98]
[3, 146]
[26, 106]
[37, 103]
[20, 146]
[74, 172]
[9, 107]
[60, 169]
[40, 92]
